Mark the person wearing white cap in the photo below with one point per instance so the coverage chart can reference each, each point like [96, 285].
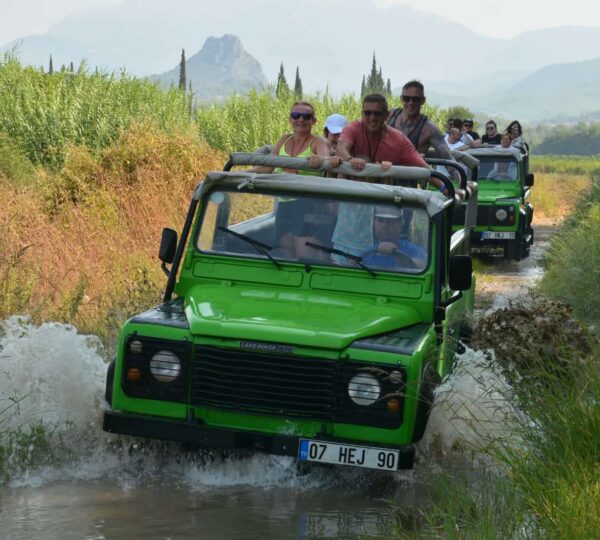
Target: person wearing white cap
[333, 127]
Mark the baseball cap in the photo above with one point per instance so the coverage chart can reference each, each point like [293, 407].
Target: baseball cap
[389, 212]
[335, 123]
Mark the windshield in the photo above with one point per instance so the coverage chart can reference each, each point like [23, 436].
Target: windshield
[498, 168]
[311, 230]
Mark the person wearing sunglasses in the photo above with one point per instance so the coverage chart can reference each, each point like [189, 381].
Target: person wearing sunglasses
[421, 131]
[515, 131]
[369, 140]
[491, 136]
[377, 143]
[302, 143]
[468, 129]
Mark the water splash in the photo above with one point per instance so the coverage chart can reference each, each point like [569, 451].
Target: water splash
[474, 409]
[57, 376]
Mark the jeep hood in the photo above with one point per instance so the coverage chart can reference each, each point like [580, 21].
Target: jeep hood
[297, 317]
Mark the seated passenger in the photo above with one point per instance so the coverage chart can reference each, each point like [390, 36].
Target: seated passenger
[390, 249]
[503, 170]
[515, 131]
[300, 143]
[332, 130]
[491, 136]
[454, 140]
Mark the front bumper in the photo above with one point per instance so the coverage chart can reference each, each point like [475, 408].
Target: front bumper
[197, 433]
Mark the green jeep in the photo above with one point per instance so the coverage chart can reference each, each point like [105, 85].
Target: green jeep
[504, 213]
[313, 317]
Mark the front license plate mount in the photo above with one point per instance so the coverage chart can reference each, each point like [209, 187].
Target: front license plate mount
[383, 459]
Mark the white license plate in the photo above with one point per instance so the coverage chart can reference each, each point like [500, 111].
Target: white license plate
[349, 454]
[495, 235]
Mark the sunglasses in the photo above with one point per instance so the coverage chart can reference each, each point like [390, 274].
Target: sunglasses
[490, 128]
[304, 115]
[376, 114]
[414, 99]
[468, 125]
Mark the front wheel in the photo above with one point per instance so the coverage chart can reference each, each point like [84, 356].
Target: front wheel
[110, 377]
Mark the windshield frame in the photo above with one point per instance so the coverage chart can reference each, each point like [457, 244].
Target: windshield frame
[279, 259]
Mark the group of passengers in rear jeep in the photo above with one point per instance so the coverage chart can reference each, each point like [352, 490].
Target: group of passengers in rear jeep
[397, 137]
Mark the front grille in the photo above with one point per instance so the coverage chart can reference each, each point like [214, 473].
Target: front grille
[287, 385]
[264, 383]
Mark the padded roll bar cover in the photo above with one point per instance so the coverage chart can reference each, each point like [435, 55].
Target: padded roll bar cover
[371, 170]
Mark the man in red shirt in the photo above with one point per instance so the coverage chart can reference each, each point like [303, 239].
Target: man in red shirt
[378, 143]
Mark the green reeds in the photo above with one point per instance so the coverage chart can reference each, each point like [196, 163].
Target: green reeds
[46, 113]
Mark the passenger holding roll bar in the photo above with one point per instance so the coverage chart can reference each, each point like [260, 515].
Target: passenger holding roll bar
[378, 143]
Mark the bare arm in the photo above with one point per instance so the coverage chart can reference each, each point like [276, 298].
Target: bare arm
[267, 170]
[441, 148]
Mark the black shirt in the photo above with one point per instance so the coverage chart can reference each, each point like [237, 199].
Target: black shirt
[474, 135]
[492, 140]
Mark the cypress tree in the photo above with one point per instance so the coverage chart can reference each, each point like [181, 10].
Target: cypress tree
[298, 85]
[282, 89]
[50, 66]
[71, 68]
[388, 88]
[375, 83]
[363, 88]
[182, 77]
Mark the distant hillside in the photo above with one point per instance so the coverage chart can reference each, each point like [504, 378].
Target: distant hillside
[221, 68]
[147, 36]
[558, 91]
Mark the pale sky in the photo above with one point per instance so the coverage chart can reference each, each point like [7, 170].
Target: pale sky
[500, 18]
[508, 18]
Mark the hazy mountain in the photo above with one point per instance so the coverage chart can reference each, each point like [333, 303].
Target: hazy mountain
[221, 68]
[567, 90]
[331, 42]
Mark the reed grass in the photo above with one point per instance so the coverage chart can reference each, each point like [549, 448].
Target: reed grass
[572, 262]
[244, 123]
[47, 113]
[80, 245]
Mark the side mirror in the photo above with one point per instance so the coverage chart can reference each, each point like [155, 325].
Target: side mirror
[168, 245]
[529, 179]
[461, 270]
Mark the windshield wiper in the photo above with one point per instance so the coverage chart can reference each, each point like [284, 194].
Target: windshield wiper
[263, 249]
[354, 258]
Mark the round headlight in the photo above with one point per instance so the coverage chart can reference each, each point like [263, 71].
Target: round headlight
[364, 389]
[501, 214]
[165, 366]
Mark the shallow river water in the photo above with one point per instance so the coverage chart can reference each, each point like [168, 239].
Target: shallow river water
[100, 486]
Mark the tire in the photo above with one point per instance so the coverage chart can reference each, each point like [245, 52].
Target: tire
[431, 380]
[110, 377]
[513, 251]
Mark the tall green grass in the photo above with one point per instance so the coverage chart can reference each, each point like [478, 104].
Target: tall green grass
[545, 477]
[577, 165]
[46, 113]
[572, 262]
[244, 123]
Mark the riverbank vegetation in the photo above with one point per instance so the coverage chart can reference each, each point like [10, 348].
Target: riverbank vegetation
[545, 479]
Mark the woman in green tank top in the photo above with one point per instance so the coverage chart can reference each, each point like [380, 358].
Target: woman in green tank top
[290, 214]
[301, 142]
